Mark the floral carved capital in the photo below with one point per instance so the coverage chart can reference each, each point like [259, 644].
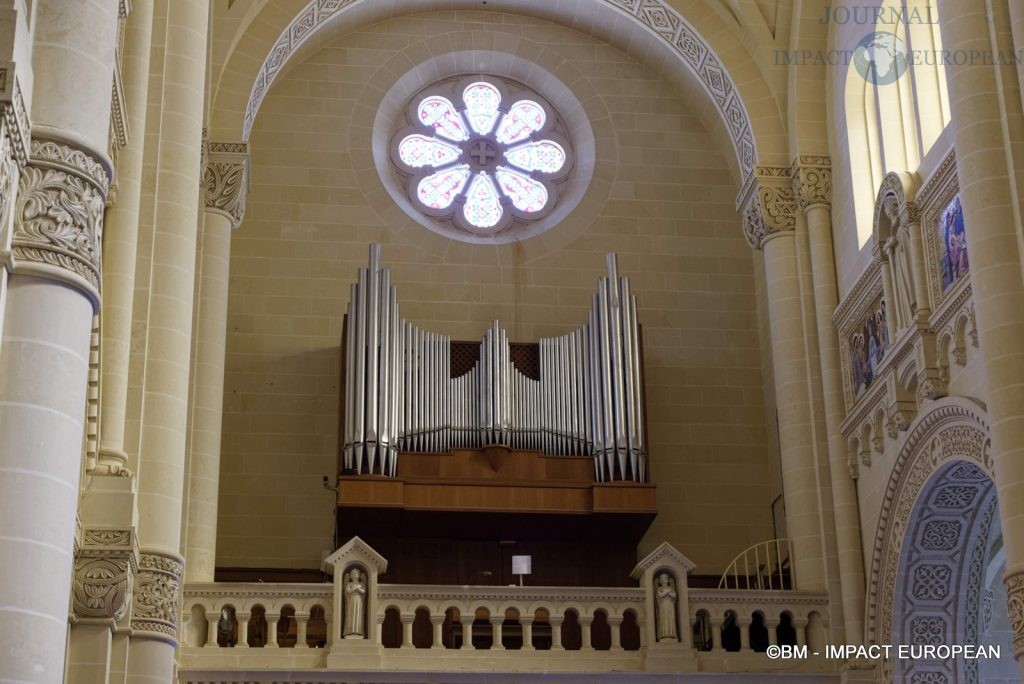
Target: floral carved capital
[156, 597]
[812, 181]
[105, 569]
[58, 222]
[767, 204]
[226, 179]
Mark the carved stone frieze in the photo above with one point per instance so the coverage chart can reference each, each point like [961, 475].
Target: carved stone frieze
[767, 204]
[226, 179]
[105, 567]
[157, 595]
[812, 181]
[59, 216]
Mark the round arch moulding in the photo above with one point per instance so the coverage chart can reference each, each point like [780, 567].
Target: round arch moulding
[673, 33]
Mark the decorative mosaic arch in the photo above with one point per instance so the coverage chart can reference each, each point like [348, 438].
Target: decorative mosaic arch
[955, 430]
[657, 17]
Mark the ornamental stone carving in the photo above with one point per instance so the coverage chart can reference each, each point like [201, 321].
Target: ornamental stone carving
[931, 582]
[1015, 608]
[105, 567]
[767, 204]
[157, 594]
[59, 216]
[226, 179]
[812, 181]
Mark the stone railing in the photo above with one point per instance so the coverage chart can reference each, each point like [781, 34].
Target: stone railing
[248, 627]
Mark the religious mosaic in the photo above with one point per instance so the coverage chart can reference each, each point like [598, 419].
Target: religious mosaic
[952, 242]
[868, 343]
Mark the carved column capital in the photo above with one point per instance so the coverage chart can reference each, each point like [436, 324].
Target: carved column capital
[812, 181]
[105, 567]
[767, 204]
[226, 179]
[1015, 608]
[156, 598]
[58, 222]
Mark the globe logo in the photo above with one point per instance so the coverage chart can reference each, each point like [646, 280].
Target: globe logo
[880, 58]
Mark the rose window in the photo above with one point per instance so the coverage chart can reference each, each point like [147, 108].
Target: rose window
[483, 154]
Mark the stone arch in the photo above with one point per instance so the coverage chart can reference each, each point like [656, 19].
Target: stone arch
[954, 430]
[283, 32]
[939, 583]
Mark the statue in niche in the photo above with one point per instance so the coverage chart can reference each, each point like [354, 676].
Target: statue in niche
[898, 249]
[665, 598]
[355, 605]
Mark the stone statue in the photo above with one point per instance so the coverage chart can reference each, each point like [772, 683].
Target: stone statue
[355, 606]
[898, 250]
[665, 597]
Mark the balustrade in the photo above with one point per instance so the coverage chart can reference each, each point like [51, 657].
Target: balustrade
[431, 627]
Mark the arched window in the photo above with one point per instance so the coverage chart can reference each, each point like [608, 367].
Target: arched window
[896, 102]
[287, 628]
[730, 632]
[316, 628]
[422, 630]
[702, 638]
[391, 628]
[758, 633]
[257, 627]
[785, 633]
[629, 632]
[542, 630]
[572, 634]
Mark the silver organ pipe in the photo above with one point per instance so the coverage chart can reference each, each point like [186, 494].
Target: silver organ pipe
[399, 395]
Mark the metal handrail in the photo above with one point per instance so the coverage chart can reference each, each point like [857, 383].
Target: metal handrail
[766, 565]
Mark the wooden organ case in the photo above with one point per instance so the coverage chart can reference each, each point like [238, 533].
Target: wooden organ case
[455, 456]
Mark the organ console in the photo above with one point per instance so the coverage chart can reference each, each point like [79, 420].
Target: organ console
[543, 443]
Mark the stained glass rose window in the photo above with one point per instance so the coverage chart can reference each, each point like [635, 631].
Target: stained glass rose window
[482, 153]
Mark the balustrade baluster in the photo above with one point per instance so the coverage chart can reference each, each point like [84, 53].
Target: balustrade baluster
[407, 620]
[301, 622]
[527, 625]
[211, 629]
[615, 626]
[716, 635]
[496, 633]
[243, 629]
[585, 623]
[272, 620]
[556, 632]
[800, 625]
[744, 627]
[437, 622]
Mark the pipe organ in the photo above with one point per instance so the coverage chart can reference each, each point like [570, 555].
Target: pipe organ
[400, 395]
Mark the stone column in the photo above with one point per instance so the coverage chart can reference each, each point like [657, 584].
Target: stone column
[301, 624]
[812, 178]
[165, 395]
[527, 625]
[743, 624]
[212, 620]
[496, 633]
[437, 623]
[988, 128]
[225, 183]
[556, 632]
[768, 207]
[585, 623]
[615, 626]
[52, 295]
[119, 244]
[407, 620]
[716, 634]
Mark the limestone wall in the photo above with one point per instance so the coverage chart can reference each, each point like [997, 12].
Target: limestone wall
[662, 198]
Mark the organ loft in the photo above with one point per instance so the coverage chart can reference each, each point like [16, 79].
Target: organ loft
[457, 456]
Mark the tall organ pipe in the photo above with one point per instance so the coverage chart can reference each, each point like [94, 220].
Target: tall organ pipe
[399, 394]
